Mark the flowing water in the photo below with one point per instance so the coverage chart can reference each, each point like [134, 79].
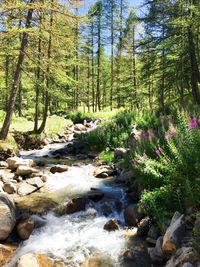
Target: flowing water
[72, 239]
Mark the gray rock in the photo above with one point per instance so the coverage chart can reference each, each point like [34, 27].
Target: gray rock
[125, 176]
[8, 216]
[188, 264]
[3, 165]
[174, 234]
[25, 170]
[26, 189]
[15, 162]
[132, 215]
[182, 256]
[79, 127]
[144, 226]
[37, 182]
[156, 253]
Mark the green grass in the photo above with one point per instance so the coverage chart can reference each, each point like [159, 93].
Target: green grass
[107, 156]
[54, 125]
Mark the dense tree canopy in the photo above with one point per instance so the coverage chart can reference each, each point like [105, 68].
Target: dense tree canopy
[54, 59]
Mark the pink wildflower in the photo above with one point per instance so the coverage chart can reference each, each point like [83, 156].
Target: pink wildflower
[193, 123]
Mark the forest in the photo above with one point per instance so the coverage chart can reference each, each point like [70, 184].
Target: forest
[115, 83]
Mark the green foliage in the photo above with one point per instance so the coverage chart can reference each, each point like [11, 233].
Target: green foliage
[107, 156]
[171, 176]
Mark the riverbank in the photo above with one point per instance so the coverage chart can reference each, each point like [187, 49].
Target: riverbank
[96, 203]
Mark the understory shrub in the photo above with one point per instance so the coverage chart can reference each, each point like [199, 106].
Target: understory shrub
[170, 171]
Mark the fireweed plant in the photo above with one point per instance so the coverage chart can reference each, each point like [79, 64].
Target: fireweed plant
[166, 165]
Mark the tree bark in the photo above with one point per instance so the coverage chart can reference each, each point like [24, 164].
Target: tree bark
[17, 77]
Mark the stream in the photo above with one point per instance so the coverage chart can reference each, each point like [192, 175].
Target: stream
[73, 239]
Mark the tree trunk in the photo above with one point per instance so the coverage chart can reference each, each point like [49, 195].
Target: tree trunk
[17, 77]
[46, 102]
[37, 87]
[112, 56]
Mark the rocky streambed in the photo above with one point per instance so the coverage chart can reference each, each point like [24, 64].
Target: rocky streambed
[62, 207]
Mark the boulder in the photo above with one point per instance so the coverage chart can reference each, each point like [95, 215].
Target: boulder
[111, 225]
[26, 189]
[6, 252]
[37, 182]
[74, 205]
[132, 215]
[59, 168]
[79, 127]
[15, 162]
[188, 264]
[1, 186]
[3, 165]
[153, 232]
[174, 234]
[25, 227]
[182, 256]
[10, 188]
[25, 170]
[125, 176]
[156, 253]
[129, 255]
[8, 216]
[35, 260]
[144, 226]
[106, 209]
[95, 195]
[98, 261]
[103, 172]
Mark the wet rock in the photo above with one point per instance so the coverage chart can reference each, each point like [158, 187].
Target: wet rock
[106, 209]
[10, 188]
[182, 256]
[35, 260]
[98, 261]
[132, 215]
[82, 156]
[44, 178]
[37, 182]
[25, 227]
[59, 168]
[153, 232]
[128, 255]
[15, 162]
[125, 176]
[156, 253]
[134, 197]
[26, 189]
[74, 205]
[3, 165]
[112, 225]
[7, 216]
[144, 226]
[174, 234]
[103, 172]
[120, 152]
[95, 195]
[6, 252]
[25, 170]
[188, 264]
